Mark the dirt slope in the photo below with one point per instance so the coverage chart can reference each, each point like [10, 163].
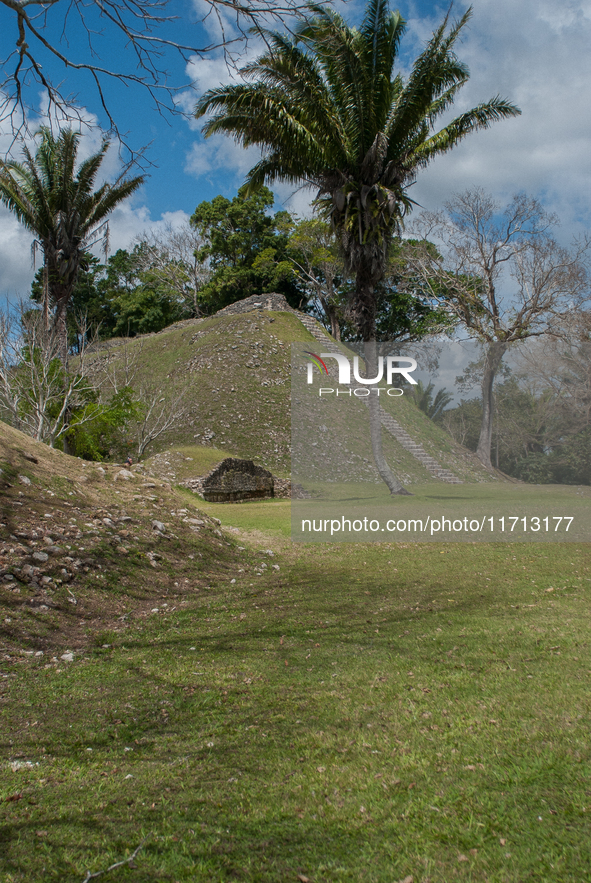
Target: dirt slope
[84, 548]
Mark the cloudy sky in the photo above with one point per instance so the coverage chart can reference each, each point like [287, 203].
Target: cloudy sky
[534, 52]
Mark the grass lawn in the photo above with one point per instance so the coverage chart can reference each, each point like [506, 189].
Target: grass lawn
[364, 713]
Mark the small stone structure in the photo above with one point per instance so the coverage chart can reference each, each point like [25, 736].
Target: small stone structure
[271, 301]
[282, 488]
[234, 480]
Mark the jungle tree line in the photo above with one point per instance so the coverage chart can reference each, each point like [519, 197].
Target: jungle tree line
[230, 250]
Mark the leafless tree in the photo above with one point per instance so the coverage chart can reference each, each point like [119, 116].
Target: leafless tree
[162, 409]
[37, 393]
[320, 266]
[502, 274]
[159, 408]
[171, 255]
[561, 363]
[46, 37]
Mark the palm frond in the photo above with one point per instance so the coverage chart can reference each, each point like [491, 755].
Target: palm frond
[480, 117]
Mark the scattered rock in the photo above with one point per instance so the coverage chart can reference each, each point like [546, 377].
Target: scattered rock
[124, 474]
[159, 526]
[41, 557]
[24, 480]
[67, 657]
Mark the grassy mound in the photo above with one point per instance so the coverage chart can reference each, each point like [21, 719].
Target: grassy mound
[237, 373]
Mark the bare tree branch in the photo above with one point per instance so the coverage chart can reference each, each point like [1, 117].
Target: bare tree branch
[159, 409]
[171, 255]
[161, 413]
[37, 394]
[148, 38]
[125, 861]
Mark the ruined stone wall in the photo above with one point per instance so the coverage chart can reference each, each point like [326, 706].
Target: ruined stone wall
[233, 480]
[272, 301]
[282, 489]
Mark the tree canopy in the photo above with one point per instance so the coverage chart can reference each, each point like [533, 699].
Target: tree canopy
[246, 248]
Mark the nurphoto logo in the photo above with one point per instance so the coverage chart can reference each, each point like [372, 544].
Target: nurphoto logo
[388, 366]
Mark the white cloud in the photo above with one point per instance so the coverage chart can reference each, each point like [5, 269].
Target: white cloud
[128, 222]
[298, 201]
[16, 267]
[217, 21]
[221, 156]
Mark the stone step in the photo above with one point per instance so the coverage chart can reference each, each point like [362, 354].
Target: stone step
[388, 422]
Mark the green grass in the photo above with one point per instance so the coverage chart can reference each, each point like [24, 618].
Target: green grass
[271, 516]
[185, 461]
[365, 713]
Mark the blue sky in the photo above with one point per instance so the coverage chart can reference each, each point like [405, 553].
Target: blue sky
[535, 52]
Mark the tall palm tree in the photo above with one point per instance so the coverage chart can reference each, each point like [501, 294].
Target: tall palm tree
[56, 202]
[328, 108]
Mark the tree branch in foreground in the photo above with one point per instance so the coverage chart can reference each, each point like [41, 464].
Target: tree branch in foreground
[120, 864]
[146, 34]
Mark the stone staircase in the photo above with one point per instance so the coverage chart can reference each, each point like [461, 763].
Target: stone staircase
[389, 423]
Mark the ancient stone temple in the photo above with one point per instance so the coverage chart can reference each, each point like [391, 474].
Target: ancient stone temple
[233, 480]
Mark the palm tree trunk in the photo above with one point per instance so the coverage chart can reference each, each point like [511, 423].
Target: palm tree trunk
[61, 328]
[331, 314]
[364, 314]
[45, 298]
[493, 358]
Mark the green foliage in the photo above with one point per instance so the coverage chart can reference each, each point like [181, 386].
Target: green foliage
[122, 298]
[432, 406]
[246, 248]
[148, 308]
[97, 430]
[536, 437]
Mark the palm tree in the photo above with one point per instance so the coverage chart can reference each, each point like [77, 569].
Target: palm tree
[327, 108]
[423, 398]
[57, 204]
